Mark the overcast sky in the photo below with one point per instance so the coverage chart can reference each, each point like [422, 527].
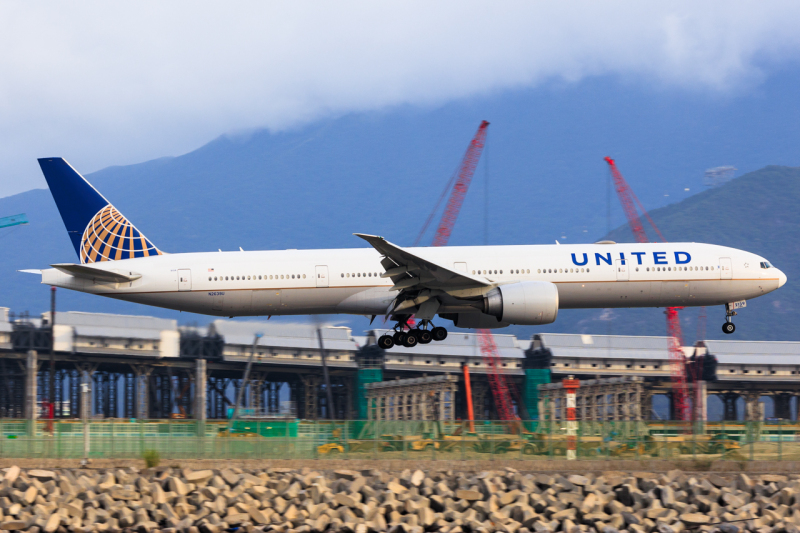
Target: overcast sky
[103, 83]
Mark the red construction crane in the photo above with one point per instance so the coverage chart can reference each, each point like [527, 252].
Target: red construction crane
[458, 186]
[680, 390]
[462, 179]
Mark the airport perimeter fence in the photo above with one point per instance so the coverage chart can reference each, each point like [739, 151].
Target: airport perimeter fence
[359, 439]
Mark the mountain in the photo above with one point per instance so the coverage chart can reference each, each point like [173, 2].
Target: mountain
[756, 212]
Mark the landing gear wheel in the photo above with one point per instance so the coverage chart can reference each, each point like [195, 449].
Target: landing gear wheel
[439, 334]
[385, 342]
[411, 340]
[424, 336]
[399, 338]
[728, 328]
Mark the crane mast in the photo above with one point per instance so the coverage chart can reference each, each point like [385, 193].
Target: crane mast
[463, 178]
[680, 392]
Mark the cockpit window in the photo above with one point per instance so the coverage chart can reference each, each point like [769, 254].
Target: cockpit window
[765, 264]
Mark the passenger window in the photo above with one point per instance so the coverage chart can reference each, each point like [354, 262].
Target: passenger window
[587, 270]
[473, 272]
[540, 271]
[209, 278]
[560, 271]
[501, 271]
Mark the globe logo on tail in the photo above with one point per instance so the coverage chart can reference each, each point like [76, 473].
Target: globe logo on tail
[110, 237]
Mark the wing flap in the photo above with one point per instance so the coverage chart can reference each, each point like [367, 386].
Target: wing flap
[96, 274]
[426, 273]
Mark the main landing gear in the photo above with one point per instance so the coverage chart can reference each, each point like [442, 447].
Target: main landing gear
[412, 337]
[728, 326]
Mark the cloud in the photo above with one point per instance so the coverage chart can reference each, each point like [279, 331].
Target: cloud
[118, 82]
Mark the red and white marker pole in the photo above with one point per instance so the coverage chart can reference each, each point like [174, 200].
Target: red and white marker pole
[571, 385]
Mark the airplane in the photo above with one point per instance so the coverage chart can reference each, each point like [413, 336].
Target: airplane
[472, 286]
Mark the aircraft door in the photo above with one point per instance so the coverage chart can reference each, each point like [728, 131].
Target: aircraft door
[184, 279]
[622, 270]
[322, 276]
[460, 267]
[725, 268]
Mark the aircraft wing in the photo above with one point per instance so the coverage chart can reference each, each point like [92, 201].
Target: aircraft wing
[96, 274]
[409, 270]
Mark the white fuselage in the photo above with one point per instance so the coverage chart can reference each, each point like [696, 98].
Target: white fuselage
[292, 282]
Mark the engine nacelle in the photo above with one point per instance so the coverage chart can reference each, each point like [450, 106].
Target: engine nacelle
[527, 303]
[475, 321]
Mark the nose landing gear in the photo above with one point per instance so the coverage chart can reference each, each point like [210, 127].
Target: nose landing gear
[412, 337]
[728, 326]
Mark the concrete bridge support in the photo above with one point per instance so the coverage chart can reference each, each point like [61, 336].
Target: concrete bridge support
[200, 391]
[729, 400]
[32, 368]
[783, 405]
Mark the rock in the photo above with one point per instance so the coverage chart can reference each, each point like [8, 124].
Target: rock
[107, 481]
[743, 482]
[345, 500]
[397, 488]
[236, 519]
[200, 476]
[695, 519]
[230, 477]
[667, 496]
[30, 495]
[349, 475]
[417, 478]
[469, 495]
[118, 493]
[257, 515]
[12, 474]
[42, 475]
[13, 525]
[581, 481]
[177, 486]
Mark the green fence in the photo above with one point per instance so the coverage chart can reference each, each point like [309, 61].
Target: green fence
[295, 439]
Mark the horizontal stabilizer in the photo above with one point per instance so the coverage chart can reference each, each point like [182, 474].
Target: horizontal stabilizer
[96, 274]
[31, 271]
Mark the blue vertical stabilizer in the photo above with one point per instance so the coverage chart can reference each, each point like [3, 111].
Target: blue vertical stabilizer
[98, 231]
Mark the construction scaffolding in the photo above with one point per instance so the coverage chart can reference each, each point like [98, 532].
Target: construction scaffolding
[597, 400]
[428, 398]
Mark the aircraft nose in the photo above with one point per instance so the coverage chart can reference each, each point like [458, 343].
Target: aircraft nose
[781, 279]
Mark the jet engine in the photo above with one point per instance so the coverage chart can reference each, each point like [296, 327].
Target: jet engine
[527, 303]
